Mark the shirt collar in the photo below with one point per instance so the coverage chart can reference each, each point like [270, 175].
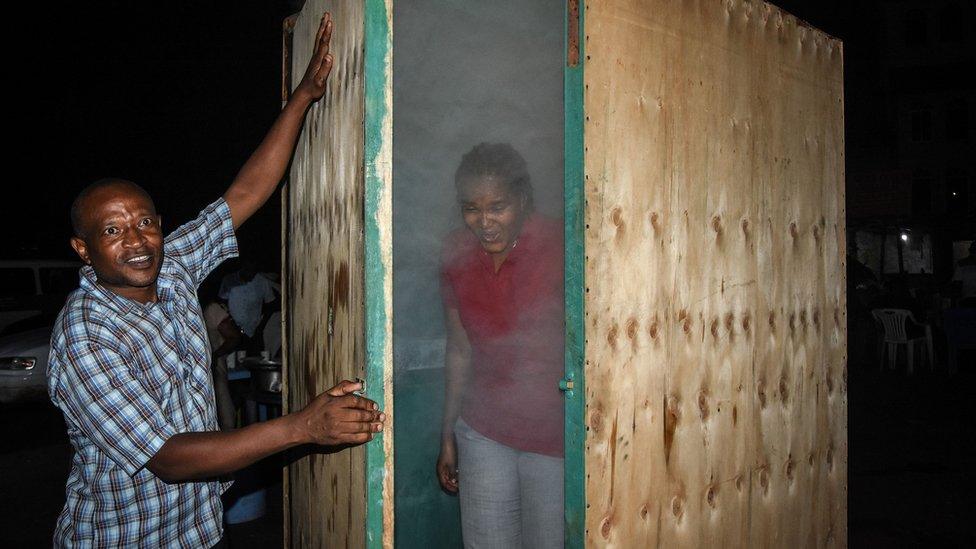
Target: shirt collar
[89, 283]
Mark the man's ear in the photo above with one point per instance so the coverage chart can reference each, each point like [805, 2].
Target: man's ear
[81, 249]
[159, 221]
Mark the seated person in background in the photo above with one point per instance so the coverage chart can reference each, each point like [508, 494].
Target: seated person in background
[247, 292]
[224, 338]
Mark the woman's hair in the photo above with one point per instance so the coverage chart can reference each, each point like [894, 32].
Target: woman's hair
[499, 160]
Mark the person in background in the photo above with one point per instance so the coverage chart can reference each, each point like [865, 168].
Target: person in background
[247, 292]
[130, 365]
[965, 275]
[225, 338]
[502, 289]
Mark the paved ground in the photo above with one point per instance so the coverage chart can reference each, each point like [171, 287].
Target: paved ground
[910, 484]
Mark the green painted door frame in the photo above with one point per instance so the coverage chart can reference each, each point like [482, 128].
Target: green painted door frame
[378, 75]
[574, 283]
[378, 44]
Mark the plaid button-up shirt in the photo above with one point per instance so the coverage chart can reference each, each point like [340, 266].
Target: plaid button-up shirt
[128, 376]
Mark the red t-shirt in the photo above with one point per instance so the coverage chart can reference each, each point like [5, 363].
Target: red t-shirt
[515, 324]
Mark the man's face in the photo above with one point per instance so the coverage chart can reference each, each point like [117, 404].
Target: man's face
[122, 240]
[492, 212]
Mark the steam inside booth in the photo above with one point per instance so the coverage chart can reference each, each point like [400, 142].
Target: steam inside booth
[478, 271]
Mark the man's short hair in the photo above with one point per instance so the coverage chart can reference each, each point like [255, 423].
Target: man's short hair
[78, 204]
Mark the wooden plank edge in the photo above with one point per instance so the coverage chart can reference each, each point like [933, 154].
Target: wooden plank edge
[379, 265]
[574, 486]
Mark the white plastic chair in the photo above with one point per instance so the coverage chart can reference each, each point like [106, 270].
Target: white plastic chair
[893, 321]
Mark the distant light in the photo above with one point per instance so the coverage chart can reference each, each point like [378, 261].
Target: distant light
[904, 237]
[954, 193]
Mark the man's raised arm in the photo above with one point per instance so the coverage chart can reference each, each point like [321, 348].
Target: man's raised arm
[264, 169]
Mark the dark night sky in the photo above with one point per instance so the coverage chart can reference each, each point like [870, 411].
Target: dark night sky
[171, 95]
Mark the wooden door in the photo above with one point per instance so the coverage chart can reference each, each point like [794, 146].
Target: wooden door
[716, 396]
[327, 212]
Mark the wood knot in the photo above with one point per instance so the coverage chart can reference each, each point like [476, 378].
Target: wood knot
[671, 416]
[830, 457]
[746, 320]
[764, 479]
[717, 225]
[677, 506]
[784, 390]
[761, 393]
[789, 467]
[837, 317]
[816, 319]
[643, 512]
[816, 234]
[703, 404]
[730, 323]
[792, 322]
[735, 415]
[652, 329]
[710, 495]
[803, 319]
[605, 528]
[772, 322]
[655, 222]
[830, 384]
[738, 482]
[810, 459]
[685, 319]
[793, 231]
[616, 217]
[714, 328]
[745, 228]
[596, 421]
[612, 336]
[632, 326]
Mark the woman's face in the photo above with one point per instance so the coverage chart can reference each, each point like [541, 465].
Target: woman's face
[492, 212]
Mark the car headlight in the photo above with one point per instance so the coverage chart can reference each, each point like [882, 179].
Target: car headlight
[17, 362]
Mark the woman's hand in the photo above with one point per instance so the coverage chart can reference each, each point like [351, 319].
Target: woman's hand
[447, 470]
[320, 65]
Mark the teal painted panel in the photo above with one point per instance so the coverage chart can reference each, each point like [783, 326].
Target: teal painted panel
[573, 203]
[377, 73]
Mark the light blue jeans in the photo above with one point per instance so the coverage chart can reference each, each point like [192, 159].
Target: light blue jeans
[509, 499]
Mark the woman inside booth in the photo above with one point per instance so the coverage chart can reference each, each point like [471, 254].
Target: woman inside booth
[502, 290]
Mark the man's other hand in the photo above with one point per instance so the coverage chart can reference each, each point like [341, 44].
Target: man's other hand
[338, 417]
[320, 65]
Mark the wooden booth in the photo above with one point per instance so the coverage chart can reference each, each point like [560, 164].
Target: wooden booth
[694, 151]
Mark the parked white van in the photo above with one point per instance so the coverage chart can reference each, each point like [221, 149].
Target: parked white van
[33, 291]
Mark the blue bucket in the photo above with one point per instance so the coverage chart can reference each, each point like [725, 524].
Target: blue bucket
[246, 507]
[245, 500]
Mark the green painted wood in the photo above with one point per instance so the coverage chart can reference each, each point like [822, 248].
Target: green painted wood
[575, 467]
[377, 72]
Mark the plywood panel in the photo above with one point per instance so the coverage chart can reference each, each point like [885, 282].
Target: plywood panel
[714, 304]
[325, 329]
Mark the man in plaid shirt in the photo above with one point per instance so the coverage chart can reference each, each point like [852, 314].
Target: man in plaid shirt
[130, 361]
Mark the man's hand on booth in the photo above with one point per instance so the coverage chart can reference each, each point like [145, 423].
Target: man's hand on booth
[336, 417]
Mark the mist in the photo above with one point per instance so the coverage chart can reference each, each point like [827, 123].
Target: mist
[464, 73]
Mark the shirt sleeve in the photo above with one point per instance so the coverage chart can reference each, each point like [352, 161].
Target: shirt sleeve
[112, 407]
[205, 242]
